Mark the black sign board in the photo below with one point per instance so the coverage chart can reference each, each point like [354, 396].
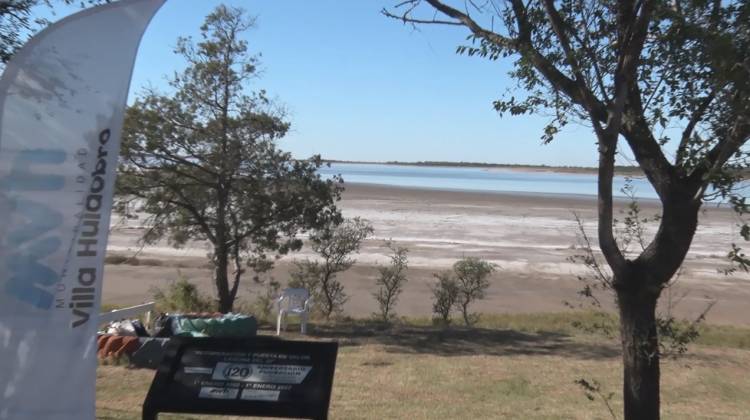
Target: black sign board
[259, 376]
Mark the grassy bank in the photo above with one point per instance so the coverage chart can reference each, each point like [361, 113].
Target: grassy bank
[588, 325]
[602, 324]
[508, 366]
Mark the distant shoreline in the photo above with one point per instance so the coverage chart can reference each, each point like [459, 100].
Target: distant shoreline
[562, 200]
[619, 170]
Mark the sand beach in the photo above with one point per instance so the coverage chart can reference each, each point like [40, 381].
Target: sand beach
[528, 236]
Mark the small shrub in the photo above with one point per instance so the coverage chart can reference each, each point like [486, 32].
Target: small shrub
[593, 390]
[182, 296]
[472, 279]
[334, 244]
[122, 259]
[115, 259]
[675, 335]
[306, 274]
[263, 305]
[445, 294]
[390, 281]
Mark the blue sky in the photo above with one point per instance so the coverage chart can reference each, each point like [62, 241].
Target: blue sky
[360, 86]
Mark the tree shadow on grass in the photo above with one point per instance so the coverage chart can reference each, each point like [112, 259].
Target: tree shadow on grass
[462, 341]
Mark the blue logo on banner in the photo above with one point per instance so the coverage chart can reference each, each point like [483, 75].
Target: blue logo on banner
[28, 279]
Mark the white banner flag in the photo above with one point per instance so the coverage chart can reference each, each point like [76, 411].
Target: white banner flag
[62, 99]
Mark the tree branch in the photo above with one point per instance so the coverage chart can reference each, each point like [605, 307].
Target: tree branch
[476, 29]
[595, 108]
[200, 220]
[406, 19]
[558, 26]
[645, 148]
[607, 242]
[726, 147]
[522, 45]
[173, 170]
[631, 38]
[632, 28]
[594, 61]
[634, 36]
[688, 132]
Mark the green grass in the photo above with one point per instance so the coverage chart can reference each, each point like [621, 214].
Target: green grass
[508, 366]
[724, 336]
[594, 323]
[575, 323]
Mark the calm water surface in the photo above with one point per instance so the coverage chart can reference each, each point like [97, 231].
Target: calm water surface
[480, 179]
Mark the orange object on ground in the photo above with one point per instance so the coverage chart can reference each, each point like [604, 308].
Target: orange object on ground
[117, 345]
[101, 341]
[111, 345]
[129, 345]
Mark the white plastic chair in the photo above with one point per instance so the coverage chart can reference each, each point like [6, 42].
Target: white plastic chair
[293, 302]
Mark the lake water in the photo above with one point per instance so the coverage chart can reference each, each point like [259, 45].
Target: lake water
[480, 179]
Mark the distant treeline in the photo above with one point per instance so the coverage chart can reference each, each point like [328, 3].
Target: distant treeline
[621, 170]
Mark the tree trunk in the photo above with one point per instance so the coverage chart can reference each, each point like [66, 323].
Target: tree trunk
[221, 249]
[221, 279]
[640, 352]
[465, 312]
[238, 271]
[328, 294]
[638, 286]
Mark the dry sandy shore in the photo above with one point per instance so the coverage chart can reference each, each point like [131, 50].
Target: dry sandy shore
[528, 236]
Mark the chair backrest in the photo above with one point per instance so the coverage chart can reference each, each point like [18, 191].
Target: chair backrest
[292, 299]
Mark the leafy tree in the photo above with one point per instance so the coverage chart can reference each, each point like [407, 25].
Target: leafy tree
[15, 21]
[472, 281]
[334, 244]
[445, 295]
[18, 23]
[391, 281]
[203, 160]
[670, 80]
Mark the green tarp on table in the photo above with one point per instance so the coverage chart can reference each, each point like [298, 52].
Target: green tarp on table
[229, 325]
